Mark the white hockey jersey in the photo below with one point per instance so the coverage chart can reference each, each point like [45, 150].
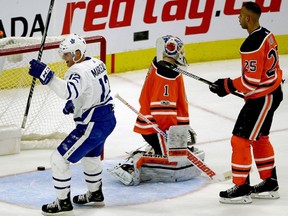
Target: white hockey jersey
[86, 84]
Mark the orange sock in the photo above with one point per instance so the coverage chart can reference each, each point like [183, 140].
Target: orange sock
[241, 159]
[264, 156]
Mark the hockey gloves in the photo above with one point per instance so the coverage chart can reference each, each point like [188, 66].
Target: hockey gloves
[222, 87]
[41, 71]
[69, 107]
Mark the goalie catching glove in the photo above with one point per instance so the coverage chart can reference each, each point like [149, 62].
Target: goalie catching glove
[222, 87]
[40, 71]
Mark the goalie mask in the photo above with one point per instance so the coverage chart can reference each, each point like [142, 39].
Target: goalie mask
[71, 44]
[174, 48]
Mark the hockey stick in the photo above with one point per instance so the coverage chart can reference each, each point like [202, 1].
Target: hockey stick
[179, 70]
[197, 162]
[160, 44]
[39, 59]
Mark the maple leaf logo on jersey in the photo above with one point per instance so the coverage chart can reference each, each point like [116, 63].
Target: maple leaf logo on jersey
[72, 41]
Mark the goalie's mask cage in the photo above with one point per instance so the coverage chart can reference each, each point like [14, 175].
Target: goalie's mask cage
[45, 118]
[71, 44]
[174, 48]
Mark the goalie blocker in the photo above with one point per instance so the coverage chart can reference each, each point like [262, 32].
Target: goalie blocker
[148, 167]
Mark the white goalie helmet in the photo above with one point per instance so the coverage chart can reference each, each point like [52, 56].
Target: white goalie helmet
[174, 48]
[72, 43]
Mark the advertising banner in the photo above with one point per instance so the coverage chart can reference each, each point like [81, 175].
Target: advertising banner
[131, 25]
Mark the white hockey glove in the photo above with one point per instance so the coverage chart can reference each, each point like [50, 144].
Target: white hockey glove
[41, 71]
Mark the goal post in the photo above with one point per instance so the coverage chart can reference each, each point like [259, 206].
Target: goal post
[46, 122]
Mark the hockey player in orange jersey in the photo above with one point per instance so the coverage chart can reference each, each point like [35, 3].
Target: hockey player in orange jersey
[163, 102]
[260, 83]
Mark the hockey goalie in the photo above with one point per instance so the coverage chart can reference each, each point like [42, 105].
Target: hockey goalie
[146, 166]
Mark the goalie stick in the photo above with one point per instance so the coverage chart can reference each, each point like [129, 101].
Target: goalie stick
[197, 162]
[39, 59]
[160, 46]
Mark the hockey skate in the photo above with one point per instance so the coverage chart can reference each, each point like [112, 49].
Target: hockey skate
[59, 207]
[237, 195]
[267, 189]
[90, 198]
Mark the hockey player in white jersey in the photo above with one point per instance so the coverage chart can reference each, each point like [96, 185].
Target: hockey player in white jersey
[87, 91]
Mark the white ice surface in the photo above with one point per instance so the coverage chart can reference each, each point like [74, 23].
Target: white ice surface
[211, 117]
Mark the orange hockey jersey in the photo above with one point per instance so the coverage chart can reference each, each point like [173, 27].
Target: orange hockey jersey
[162, 100]
[261, 73]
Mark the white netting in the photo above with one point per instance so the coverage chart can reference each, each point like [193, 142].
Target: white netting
[45, 119]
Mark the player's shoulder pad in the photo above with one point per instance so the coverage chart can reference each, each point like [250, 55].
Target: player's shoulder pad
[254, 41]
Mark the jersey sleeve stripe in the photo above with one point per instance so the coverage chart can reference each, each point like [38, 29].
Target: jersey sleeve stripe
[71, 86]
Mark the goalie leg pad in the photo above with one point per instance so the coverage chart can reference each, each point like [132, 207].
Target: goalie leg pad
[177, 142]
[162, 170]
[179, 136]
